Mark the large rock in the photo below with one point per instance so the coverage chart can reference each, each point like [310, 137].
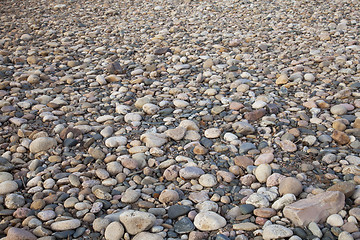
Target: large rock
[136, 221]
[42, 144]
[20, 234]
[209, 221]
[315, 209]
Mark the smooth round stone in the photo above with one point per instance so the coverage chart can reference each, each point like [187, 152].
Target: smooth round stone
[168, 196]
[246, 208]
[100, 224]
[5, 176]
[314, 228]
[338, 110]
[114, 231]
[178, 210]
[230, 137]
[46, 215]
[335, 220]
[136, 221]
[345, 236]
[20, 234]
[290, 185]
[42, 144]
[191, 172]
[212, 133]
[207, 206]
[8, 187]
[14, 201]
[207, 180]
[264, 158]
[107, 132]
[309, 140]
[264, 212]
[262, 172]
[49, 183]
[180, 103]
[184, 225]
[65, 225]
[309, 77]
[275, 231]
[209, 221]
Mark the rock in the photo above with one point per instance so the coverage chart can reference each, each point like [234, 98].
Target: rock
[338, 110]
[20, 234]
[113, 142]
[315, 209]
[262, 172]
[136, 221]
[314, 228]
[255, 115]
[246, 226]
[207, 180]
[285, 200]
[42, 144]
[209, 221]
[275, 231]
[150, 108]
[288, 146]
[168, 196]
[345, 236]
[176, 134]
[65, 225]
[96, 153]
[243, 128]
[212, 133]
[184, 225]
[114, 231]
[130, 196]
[340, 137]
[264, 158]
[264, 212]
[290, 185]
[347, 188]
[335, 220]
[147, 236]
[191, 172]
[282, 79]
[8, 187]
[258, 200]
[178, 210]
[153, 139]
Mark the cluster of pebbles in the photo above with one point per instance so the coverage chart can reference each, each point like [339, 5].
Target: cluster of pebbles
[173, 119]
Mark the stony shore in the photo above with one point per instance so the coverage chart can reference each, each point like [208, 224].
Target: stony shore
[179, 119]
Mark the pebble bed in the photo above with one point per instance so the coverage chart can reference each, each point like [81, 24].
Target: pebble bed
[179, 119]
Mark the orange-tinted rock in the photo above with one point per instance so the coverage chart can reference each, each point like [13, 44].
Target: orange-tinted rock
[243, 161]
[340, 137]
[255, 115]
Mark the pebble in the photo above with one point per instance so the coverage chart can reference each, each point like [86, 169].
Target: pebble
[209, 221]
[65, 225]
[136, 221]
[290, 185]
[114, 231]
[262, 172]
[20, 234]
[8, 186]
[275, 231]
[42, 144]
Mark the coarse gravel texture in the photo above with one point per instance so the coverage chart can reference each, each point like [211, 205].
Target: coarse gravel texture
[179, 119]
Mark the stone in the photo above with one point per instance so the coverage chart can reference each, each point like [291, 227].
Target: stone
[191, 172]
[207, 180]
[8, 187]
[96, 153]
[290, 185]
[340, 137]
[178, 210]
[282, 79]
[264, 158]
[42, 144]
[275, 231]
[288, 146]
[65, 225]
[264, 212]
[136, 221]
[147, 236]
[338, 110]
[262, 172]
[314, 228]
[246, 226]
[345, 236]
[348, 188]
[114, 231]
[315, 209]
[212, 133]
[335, 220]
[150, 108]
[130, 196]
[243, 161]
[243, 128]
[258, 200]
[209, 221]
[20, 234]
[285, 200]
[116, 141]
[176, 134]
[169, 196]
[153, 139]
[184, 225]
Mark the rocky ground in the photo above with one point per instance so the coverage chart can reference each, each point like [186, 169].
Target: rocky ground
[179, 119]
